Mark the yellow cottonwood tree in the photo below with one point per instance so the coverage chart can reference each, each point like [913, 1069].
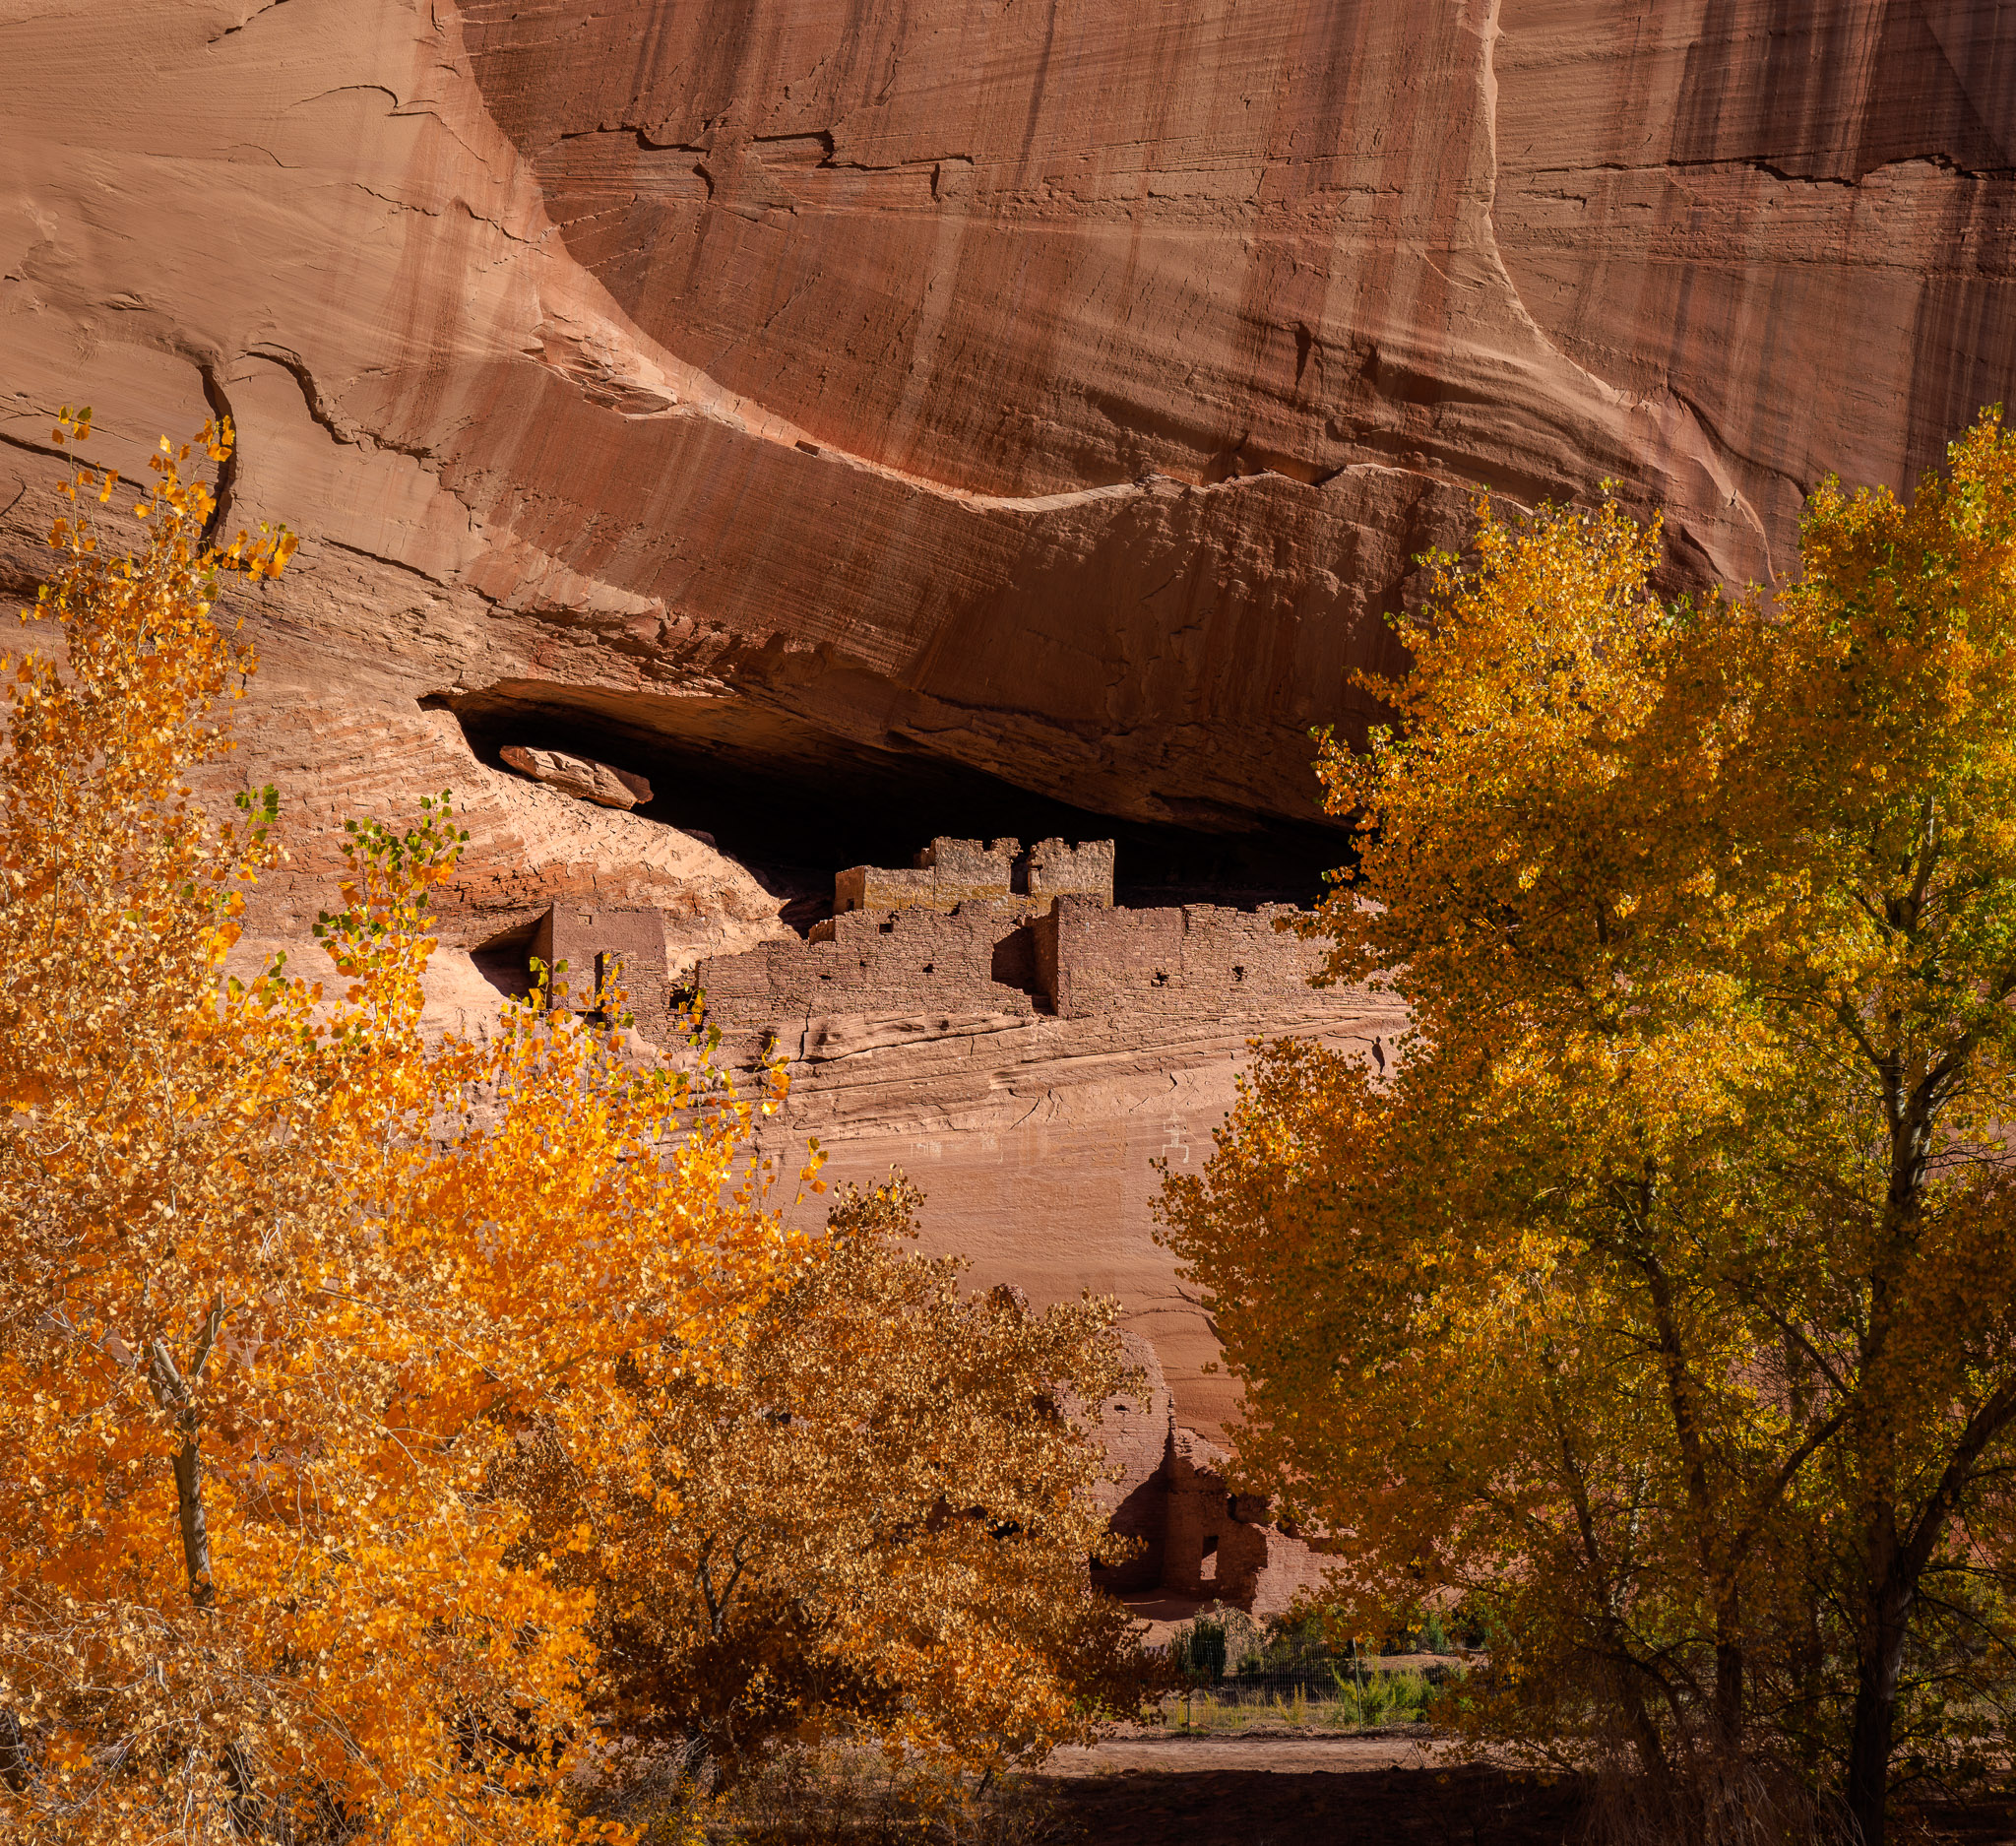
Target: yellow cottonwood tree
[283, 1282]
[877, 1528]
[1664, 1302]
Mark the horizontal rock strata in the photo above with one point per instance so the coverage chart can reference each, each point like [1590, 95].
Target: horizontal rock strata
[1032, 1062]
[824, 395]
[1055, 391]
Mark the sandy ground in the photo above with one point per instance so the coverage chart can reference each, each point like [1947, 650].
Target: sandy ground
[1295, 1791]
[1280, 1787]
[1270, 1751]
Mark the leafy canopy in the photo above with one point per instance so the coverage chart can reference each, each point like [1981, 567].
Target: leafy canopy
[284, 1279]
[1663, 1302]
[876, 1529]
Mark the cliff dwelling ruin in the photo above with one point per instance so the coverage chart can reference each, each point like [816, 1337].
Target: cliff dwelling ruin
[990, 1021]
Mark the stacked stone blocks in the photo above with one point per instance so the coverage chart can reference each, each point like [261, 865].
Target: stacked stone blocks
[949, 872]
[974, 927]
[588, 951]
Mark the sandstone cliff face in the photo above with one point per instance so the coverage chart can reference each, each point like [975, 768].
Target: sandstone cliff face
[1054, 388]
[1036, 1140]
[1790, 224]
[330, 759]
[835, 395]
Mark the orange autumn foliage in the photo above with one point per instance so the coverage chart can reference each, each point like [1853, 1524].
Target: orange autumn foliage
[283, 1278]
[377, 1406]
[877, 1528]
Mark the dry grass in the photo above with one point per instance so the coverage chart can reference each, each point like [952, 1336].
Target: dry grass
[830, 1796]
[1714, 1800]
[1384, 1700]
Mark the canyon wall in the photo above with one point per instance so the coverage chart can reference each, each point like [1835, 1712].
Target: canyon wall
[1029, 1059]
[1035, 1140]
[834, 399]
[1051, 388]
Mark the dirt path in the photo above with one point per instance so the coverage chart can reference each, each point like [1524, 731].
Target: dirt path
[1296, 1791]
[1377, 1787]
[1264, 1751]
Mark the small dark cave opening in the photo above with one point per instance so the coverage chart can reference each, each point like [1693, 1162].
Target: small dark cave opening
[795, 806]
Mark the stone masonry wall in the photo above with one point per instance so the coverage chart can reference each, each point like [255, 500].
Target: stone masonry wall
[1196, 959]
[1067, 954]
[1053, 869]
[1075, 958]
[588, 949]
[949, 873]
[869, 962]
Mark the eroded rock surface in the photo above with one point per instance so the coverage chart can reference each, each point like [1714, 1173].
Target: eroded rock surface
[1031, 1060]
[832, 394]
[1194, 1536]
[528, 846]
[1051, 389]
[1036, 1142]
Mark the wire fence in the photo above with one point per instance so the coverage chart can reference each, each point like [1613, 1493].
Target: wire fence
[1316, 1682]
[1297, 1702]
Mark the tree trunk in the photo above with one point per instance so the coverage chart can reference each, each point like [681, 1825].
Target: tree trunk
[1875, 1707]
[195, 1525]
[1728, 1696]
[175, 1394]
[1645, 1738]
[178, 1395]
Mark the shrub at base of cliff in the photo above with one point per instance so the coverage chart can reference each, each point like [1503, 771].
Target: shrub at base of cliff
[1662, 1302]
[874, 1531]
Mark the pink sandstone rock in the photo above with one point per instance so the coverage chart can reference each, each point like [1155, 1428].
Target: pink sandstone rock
[1061, 391]
[528, 846]
[1135, 1427]
[333, 759]
[1220, 1545]
[1033, 1063]
[1195, 1538]
[1036, 1140]
[579, 777]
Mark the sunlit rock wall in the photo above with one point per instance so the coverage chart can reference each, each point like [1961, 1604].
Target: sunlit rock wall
[1061, 389]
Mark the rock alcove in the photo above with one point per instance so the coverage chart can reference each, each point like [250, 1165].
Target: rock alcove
[795, 805]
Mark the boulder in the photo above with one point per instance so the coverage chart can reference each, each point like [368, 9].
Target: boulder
[579, 777]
